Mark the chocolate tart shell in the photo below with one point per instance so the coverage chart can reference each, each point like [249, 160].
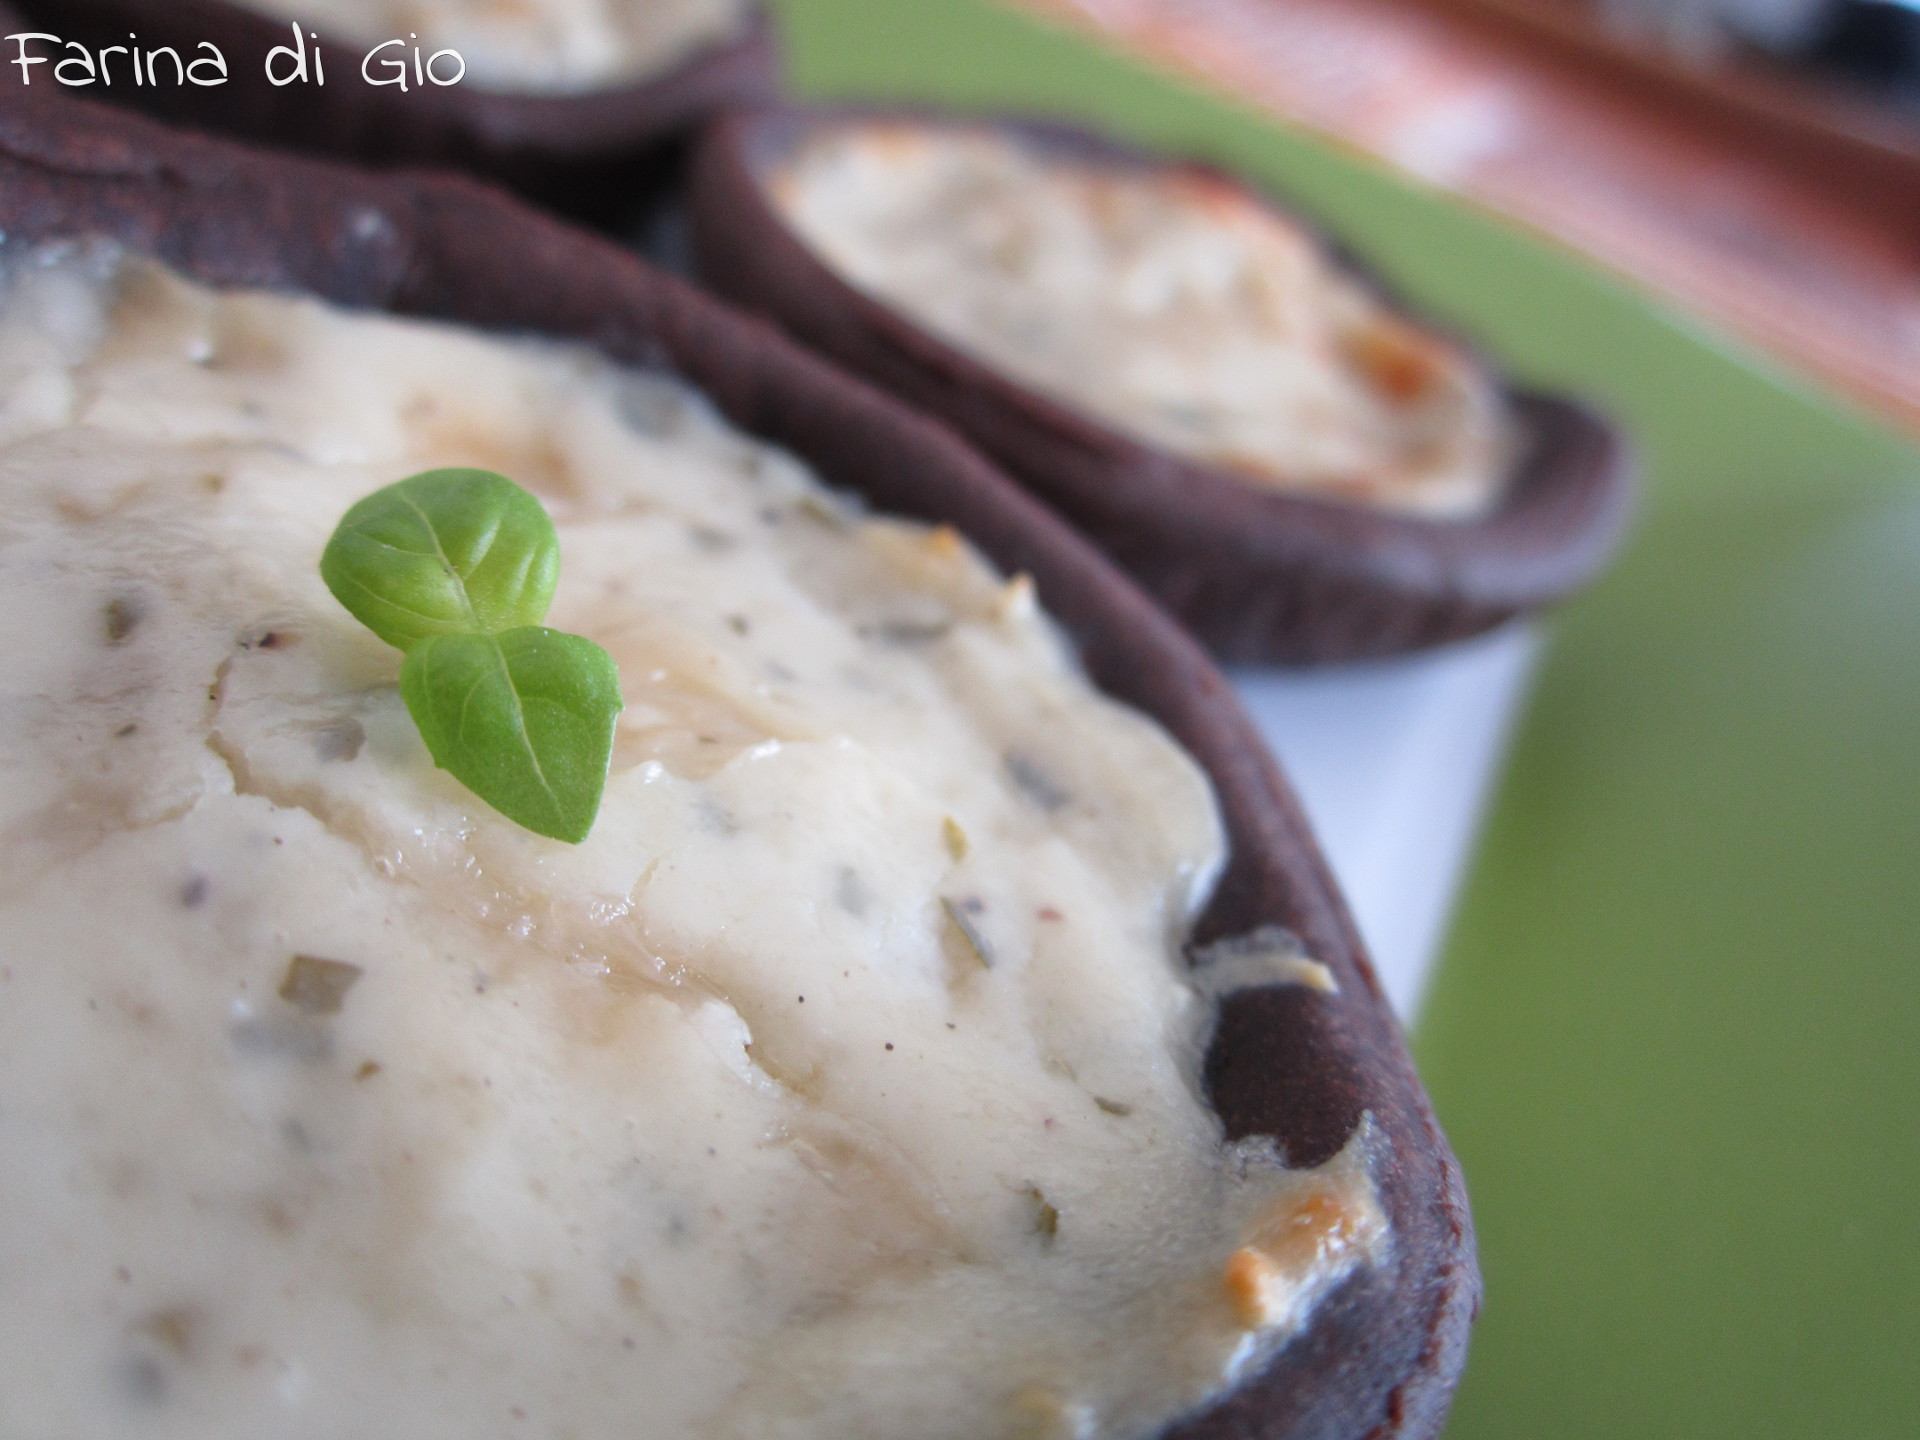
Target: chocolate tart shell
[599, 155]
[1381, 1353]
[1258, 574]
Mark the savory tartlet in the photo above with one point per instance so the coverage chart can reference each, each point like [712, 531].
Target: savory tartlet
[425, 1027]
[583, 104]
[532, 47]
[1296, 465]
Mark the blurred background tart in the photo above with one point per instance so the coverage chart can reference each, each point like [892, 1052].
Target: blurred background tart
[584, 105]
[1298, 466]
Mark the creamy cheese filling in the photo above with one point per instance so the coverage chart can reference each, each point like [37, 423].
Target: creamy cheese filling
[1165, 302]
[842, 1083]
[532, 45]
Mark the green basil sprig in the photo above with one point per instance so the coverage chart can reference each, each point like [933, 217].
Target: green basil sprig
[457, 568]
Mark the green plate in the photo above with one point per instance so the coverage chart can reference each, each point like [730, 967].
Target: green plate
[1676, 1037]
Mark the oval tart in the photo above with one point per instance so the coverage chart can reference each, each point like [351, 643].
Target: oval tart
[599, 154]
[1243, 418]
[1305, 1064]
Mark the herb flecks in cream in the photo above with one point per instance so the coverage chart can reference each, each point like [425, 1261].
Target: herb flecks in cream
[335, 1103]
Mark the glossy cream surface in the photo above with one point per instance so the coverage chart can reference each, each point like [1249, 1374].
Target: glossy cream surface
[531, 45]
[1165, 302]
[842, 1083]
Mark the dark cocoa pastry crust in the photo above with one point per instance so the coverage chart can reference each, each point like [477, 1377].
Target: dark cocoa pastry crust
[1381, 1354]
[1258, 574]
[597, 155]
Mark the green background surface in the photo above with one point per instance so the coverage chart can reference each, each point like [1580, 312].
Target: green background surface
[1676, 1035]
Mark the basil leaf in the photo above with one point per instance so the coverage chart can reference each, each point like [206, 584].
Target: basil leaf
[523, 719]
[457, 568]
[444, 552]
